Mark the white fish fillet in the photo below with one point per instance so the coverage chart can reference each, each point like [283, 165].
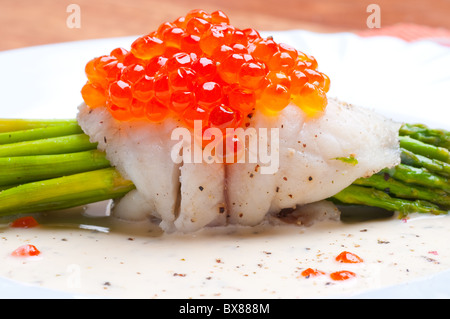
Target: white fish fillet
[309, 170]
[189, 196]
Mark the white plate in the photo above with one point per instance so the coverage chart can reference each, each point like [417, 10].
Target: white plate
[407, 81]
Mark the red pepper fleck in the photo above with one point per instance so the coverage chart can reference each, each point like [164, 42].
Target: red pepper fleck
[24, 222]
[312, 273]
[342, 275]
[433, 252]
[347, 257]
[26, 251]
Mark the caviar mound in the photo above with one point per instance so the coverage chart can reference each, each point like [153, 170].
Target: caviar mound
[200, 67]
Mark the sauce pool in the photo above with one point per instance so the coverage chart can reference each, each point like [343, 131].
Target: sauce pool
[104, 257]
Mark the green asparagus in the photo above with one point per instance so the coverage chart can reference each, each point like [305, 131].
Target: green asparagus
[13, 125]
[418, 176]
[399, 189]
[432, 165]
[39, 133]
[367, 196]
[48, 146]
[64, 192]
[436, 137]
[24, 169]
[424, 149]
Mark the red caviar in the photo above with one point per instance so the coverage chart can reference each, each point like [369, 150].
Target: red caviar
[348, 257]
[199, 63]
[24, 222]
[26, 251]
[342, 275]
[309, 272]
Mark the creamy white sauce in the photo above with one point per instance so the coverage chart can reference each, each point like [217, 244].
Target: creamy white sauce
[105, 257]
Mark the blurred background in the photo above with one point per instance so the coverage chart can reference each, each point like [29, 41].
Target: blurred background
[28, 22]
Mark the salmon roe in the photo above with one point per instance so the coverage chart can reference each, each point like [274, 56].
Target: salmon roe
[349, 258]
[26, 250]
[24, 222]
[200, 67]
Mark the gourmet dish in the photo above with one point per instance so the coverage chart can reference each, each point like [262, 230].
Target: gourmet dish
[201, 68]
[200, 124]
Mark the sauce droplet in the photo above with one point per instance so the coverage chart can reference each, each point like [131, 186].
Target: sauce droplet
[24, 222]
[342, 275]
[26, 251]
[309, 272]
[349, 258]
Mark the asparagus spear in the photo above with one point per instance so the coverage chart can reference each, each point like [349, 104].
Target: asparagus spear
[436, 137]
[47, 146]
[435, 166]
[418, 176]
[24, 169]
[424, 149]
[64, 192]
[399, 189]
[368, 196]
[12, 125]
[39, 133]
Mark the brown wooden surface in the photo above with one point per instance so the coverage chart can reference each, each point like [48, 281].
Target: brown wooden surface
[34, 22]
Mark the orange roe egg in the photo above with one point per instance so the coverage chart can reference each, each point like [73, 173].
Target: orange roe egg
[312, 100]
[221, 52]
[298, 79]
[211, 39]
[264, 49]
[119, 113]
[26, 251]
[197, 26]
[138, 109]
[182, 79]
[205, 68]
[209, 94]
[274, 98]
[120, 93]
[281, 61]
[197, 13]
[147, 47]
[119, 54]
[93, 95]
[195, 113]
[155, 64]
[143, 89]
[181, 100]
[162, 88]
[230, 66]
[279, 78]
[218, 17]
[251, 75]
[190, 43]
[242, 99]
[132, 73]
[224, 117]
[200, 67]
[156, 111]
[172, 37]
